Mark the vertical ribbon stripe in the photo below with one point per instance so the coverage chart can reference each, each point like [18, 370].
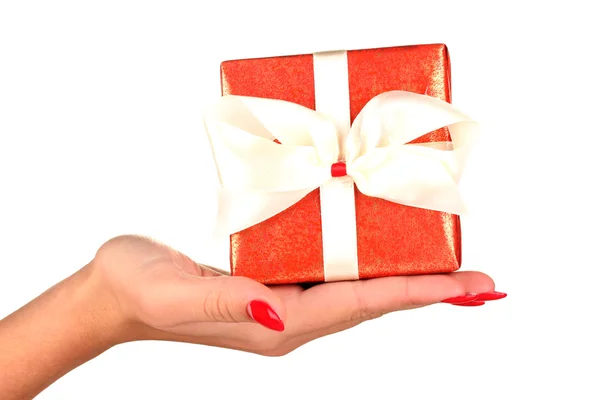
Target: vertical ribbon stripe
[338, 213]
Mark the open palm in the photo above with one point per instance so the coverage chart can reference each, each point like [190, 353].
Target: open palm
[164, 295]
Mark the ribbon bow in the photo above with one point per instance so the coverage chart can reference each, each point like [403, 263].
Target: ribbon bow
[261, 177]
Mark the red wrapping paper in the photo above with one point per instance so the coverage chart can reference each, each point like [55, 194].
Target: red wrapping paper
[392, 239]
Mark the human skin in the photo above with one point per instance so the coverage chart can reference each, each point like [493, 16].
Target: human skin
[138, 289]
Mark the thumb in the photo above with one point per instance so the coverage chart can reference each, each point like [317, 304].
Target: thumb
[225, 299]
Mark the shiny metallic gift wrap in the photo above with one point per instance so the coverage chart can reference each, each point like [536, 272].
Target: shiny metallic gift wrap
[393, 239]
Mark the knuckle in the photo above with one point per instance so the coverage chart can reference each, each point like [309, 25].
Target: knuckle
[409, 295]
[217, 306]
[108, 249]
[117, 242]
[117, 250]
[360, 310]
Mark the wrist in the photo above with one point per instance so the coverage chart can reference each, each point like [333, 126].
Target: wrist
[96, 308]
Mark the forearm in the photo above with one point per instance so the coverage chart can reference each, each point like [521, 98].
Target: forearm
[69, 324]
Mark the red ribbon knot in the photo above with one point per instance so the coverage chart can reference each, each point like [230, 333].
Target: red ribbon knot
[338, 169]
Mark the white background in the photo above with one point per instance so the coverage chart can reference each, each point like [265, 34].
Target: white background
[101, 134]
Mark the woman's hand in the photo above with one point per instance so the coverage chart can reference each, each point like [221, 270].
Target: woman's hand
[163, 294]
[137, 289]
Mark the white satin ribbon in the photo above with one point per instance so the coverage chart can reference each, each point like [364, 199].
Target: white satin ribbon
[338, 210]
[261, 178]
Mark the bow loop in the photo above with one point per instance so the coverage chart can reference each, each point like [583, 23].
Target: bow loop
[396, 118]
[242, 129]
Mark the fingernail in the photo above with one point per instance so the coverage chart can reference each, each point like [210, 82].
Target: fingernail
[262, 313]
[460, 299]
[491, 296]
[470, 304]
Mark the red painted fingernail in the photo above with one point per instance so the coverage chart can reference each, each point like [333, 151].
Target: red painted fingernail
[470, 304]
[262, 313]
[460, 299]
[491, 296]
[276, 141]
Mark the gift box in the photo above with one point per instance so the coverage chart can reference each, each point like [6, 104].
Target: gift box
[385, 238]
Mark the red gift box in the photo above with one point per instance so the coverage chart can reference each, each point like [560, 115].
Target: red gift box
[392, 239]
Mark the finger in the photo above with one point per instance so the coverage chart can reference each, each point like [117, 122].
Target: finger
[190, 299]
[334, 303]
[480, 285]
[225, 298]
[475, 282]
